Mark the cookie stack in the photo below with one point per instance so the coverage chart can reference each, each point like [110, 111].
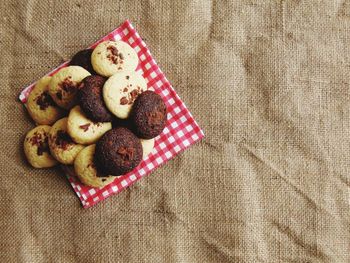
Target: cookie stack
[104, 120]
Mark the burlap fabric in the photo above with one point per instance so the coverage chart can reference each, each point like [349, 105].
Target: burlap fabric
[268, 81]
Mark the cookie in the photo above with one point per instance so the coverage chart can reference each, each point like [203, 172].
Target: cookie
[149, 115]
[84, 131]
[118, 152]
[83, 59]
[91, 99]
[62, 147]
[110, 57]
[86, 171]
[120, 92]
[64, 84]
[41, 106]
[147, 147]
[36, 147]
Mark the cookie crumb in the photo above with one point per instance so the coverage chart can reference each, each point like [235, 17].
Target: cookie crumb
[133, 95]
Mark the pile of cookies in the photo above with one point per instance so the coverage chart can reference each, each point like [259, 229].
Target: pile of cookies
[95, 114]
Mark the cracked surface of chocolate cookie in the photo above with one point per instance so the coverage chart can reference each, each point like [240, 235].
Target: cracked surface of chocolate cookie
[118, 152]
[149, 115]
[91, 99]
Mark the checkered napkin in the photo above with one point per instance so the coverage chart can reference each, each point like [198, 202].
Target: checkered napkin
[181, 130]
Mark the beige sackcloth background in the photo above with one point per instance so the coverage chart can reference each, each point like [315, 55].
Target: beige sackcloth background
[268, 81]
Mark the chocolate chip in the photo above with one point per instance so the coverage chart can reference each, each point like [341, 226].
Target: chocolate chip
[123, 101]
[44, 100]
[63, 140]
[85, 127]
[114, 54]
[59, 95]
[43, 147]
[67, 85]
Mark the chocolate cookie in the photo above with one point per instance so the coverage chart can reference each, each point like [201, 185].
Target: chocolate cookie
[83, 59]
[91, 99]
[118, 152]
[149, 115]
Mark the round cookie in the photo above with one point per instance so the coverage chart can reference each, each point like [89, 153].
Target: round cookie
[83, 59]
[41, 106]
[62, 147]
[86, 171]
[64, 84]
[120, 92]
[110, 57]
[91, 99]
[118, 152]
[84, 131]
[147, 147]
[36, 147]
[149, 115]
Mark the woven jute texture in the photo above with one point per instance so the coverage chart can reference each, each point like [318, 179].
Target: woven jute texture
[268, 81]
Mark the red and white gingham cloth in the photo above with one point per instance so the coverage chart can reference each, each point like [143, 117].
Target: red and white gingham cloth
[181, 130]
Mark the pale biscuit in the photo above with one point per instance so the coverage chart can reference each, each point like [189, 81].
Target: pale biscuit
[147, 147]
[120, 92]
[62, 147]
[41, 106]
[83, 130]
[86, 171]
[64, 84]
[110, 57]
[36, 147]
